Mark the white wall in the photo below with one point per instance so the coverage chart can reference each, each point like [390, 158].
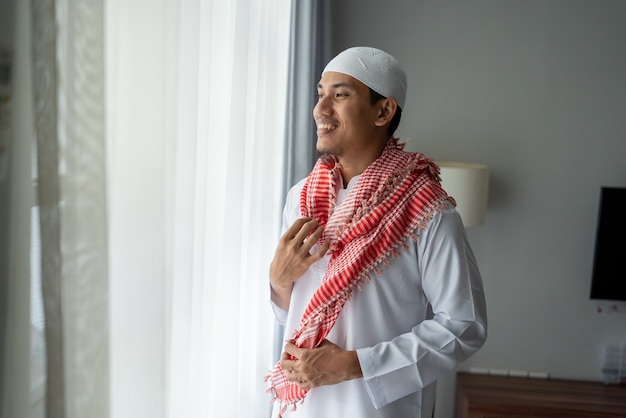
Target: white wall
[537, 90]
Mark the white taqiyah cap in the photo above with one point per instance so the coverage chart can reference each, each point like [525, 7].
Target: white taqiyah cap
[375, 68]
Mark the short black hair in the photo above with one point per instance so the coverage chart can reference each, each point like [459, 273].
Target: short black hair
[395, 122]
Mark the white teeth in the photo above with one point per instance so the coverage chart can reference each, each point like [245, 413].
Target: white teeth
[326, 126]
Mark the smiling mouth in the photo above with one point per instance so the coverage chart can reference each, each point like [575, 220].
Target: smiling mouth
[326, 127]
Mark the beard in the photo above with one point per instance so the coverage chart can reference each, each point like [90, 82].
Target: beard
[328, 149]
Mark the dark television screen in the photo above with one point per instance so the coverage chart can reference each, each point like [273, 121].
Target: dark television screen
[609, 264]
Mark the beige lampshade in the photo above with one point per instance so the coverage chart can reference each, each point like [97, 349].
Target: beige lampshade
[468, 184]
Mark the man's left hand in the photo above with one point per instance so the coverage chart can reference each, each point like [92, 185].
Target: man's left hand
[327, 364]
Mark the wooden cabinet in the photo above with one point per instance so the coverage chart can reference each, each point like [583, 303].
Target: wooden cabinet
[486, 396]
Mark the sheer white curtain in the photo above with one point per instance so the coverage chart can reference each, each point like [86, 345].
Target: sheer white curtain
[68, 81]
[195, 122]
[159, 128]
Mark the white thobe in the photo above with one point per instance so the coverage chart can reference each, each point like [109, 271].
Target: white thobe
[409, 326]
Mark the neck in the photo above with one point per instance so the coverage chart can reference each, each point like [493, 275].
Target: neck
[348, 171]
[351, 167]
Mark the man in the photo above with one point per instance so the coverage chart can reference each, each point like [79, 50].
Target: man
[373, 277]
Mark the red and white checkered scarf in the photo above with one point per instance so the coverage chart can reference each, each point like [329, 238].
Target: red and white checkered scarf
[396, 195]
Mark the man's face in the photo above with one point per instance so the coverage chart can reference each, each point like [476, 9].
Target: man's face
[344, 115]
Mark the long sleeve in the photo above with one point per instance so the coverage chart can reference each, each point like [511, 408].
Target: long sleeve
[452, 285]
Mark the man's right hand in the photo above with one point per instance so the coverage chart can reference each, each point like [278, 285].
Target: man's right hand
[292, 258]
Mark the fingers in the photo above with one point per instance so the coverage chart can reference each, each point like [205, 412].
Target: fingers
[291, 367]
[309, 233]
[287, 364]
[321, 252]
[303, 384]
[302, 235]
[292, 257]
[290, 357]
[293, 350]
[296, 229]
[291, 232]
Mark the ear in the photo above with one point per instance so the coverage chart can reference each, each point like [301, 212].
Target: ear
[386, 109]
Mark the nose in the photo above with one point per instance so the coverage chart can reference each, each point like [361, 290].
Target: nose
[322, 107]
